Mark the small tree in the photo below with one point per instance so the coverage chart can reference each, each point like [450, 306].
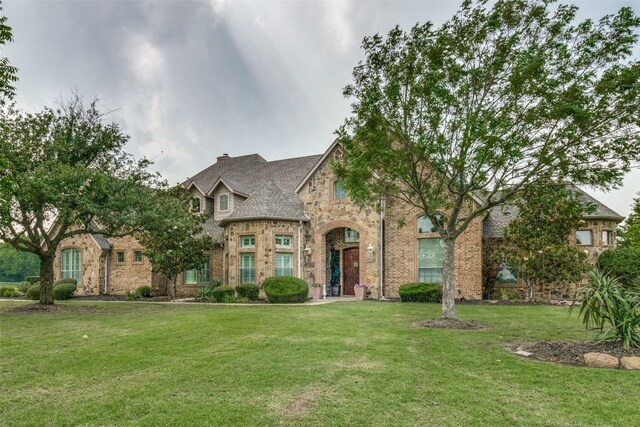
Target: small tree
[61, 171]
[172, 235]
[536, 243]
[465, 117]
[629, 232]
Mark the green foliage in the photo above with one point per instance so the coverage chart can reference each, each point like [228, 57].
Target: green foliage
[131, 295]
[216, 282]
[509, 295]
[420, 292]
[34, 292]
[501, 95]
[66, 280]
[144, 291]
[64, 289]
[68, 164]
[8, 73]
[629, 232]
[9, 292]
[284, 290]
[16, 265]
[536, 242]
[250, 291]
[173, 237]
[605, 303]
[23, 287]
[32, 279]
[224, 293]
[205, 293]
[622, 263]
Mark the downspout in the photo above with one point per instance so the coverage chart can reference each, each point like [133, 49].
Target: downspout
[381, 248]
[224, 264]
[106, 273]
[300, 250]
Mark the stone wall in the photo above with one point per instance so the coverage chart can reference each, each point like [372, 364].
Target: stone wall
[91, 263]
[327, 214]
[401, 252]
[130, 275]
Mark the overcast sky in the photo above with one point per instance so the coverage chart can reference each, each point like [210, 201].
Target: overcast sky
[191, 80]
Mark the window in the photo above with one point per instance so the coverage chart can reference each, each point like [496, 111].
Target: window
[197, 276]
[70, 266]
[351, 236]
[195, 204]
[583, 237]
[247, 242]
[283, 242]
[137, 256]
[248, 267]
[120, 257]
[284, 264]
[338, 191]
[430, 259]
[507, 275]
[425, 225]
[607, 237]
[223, 202]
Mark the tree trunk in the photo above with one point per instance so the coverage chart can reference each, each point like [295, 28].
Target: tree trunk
[448, 286]
[46, 279]
[172, 287]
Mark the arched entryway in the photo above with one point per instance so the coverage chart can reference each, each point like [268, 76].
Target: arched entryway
[342, 260]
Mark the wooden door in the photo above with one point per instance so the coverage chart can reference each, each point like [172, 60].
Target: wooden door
[351, 269]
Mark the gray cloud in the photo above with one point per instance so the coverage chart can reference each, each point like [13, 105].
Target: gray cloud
[196, 79]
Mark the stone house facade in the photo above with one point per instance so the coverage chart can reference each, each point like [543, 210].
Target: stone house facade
[291, 217]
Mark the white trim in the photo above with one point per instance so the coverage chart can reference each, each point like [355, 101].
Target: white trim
[231, 190]
[192, 183]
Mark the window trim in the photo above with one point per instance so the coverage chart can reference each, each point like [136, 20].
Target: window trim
[250, 246]
[611, 237]
[220, 202]
[141, 256]
[63, 271]
[282, 246]
[276, 268]
[241, 269]
[418, 268]
[336, 185]
[206, 269]
[352, 239]
[124, 257]
[590, 238]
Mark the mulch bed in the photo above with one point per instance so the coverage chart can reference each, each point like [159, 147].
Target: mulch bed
[571, 353]
[450, 324]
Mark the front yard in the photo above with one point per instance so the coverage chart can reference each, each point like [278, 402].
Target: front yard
[345, 363]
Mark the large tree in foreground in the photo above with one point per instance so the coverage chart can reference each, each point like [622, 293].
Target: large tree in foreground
[62, 171]
[8, 73]
[172, 236]
[458, 119]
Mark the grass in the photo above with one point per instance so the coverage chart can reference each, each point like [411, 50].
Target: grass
[355, 363]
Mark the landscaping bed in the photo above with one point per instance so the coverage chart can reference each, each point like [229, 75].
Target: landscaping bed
[572, 352]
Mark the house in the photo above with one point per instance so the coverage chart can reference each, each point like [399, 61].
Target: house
[291, 217]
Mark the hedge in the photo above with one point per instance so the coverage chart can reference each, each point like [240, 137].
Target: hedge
[284, 290]
[66, 280]
[223, 293]
[623, 263]
[420, 292]
[250, 291]
[34, 292]
[32, 279]
[9, 291]
[64, 290]
[144, 291]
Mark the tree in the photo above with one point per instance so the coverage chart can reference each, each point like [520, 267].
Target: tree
[172, 235]
[8, 73]
[536, 243]
[62, 171]
[465, 117]
[16, 265]
[629, 232]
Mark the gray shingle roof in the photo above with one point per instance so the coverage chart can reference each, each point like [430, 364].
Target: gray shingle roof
[103, 242]
[213, 229]
[269, 186]
[500, 216]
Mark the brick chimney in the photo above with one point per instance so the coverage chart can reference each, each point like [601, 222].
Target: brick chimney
[224, 157]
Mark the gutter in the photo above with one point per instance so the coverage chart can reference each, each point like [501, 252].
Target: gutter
[106, 274]
[381, 250]
[299, 250]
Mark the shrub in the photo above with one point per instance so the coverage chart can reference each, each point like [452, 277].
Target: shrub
[623, 263]
[144, 291]
[224, 293]
[249, 291]
[9, 292]
[284, 290]
[23, 287]
[205, 293]
[32, 279]
[64, 290]
[131, 295]
[216, 283]
[34, 292]
[604, 302]
[67, 280]
[420, 292]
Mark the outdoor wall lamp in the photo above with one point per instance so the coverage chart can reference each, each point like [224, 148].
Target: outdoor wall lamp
[307, 250]
[370, 251]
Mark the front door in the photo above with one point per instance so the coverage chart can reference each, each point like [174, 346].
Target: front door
[351, 269]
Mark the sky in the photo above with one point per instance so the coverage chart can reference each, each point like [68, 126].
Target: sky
[191, 80]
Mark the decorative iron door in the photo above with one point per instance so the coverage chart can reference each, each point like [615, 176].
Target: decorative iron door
[351, 268]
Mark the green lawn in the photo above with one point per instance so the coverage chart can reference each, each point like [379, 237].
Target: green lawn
[351, 363]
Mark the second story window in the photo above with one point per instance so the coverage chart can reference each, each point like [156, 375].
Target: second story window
[583, 237]
[607, 238]
[120, 257]
[247, 242]
[283, 242]
[223, 202]
[338, 191]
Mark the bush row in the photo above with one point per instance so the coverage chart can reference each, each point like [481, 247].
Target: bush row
[218, 292]
[62, 289]
[141, 292]
[420, 292]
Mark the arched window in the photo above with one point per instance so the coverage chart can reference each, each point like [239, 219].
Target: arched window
[223, 202]
[70, 264]
[425, 225]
